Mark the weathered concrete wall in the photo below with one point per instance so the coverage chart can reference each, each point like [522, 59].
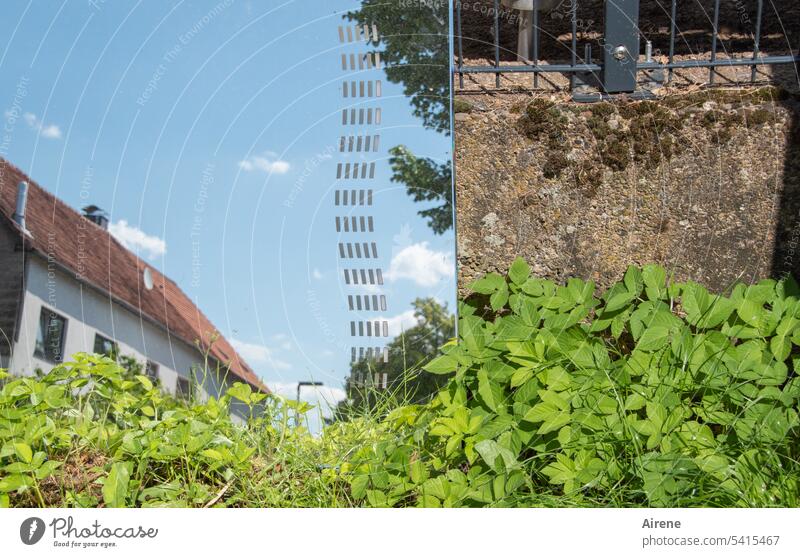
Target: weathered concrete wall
[698, 182]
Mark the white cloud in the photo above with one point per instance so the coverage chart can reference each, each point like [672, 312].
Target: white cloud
[421, 264]
[137, 240]
[267, 162]
[316, 274]
[258, 355]
[283, 341]
[370, 289]
[49, 131]
[253, 353]
[400, 323]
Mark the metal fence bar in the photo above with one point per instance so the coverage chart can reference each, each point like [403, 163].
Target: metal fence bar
[619, 63]
[547, 68]
[535, 38]
[681, 64]
[757, 39]
[497, 42]
[460, 46]
[621, 51]
[765, 61]
[673, 26]
[712, 71]
[574, 42]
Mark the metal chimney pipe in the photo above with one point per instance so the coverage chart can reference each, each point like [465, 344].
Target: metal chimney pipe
[22, 201]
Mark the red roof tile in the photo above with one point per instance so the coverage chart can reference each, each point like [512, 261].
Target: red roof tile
[98, 259]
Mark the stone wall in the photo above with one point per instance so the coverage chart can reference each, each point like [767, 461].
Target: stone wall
[703, 182]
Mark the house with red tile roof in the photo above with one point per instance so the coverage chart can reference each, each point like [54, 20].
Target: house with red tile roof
[67, 286]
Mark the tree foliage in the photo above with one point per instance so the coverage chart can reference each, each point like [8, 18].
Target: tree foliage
[416, 52]
[417, 345]
[425, 180]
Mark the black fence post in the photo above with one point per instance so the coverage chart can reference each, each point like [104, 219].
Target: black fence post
[620, 46]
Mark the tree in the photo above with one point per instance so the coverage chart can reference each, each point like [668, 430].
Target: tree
[408, 352]
[425, 180]
[416, 52]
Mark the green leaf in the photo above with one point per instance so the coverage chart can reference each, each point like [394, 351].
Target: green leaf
[499, 298]
[213, 454]
[15, 482]
[496, 456]
[580, 291]
[418, 471]
[619, 301]
[561, 471]
[145, 381]
[358, 486]
[24, 452]
[490, 392]
[704, 310]
[750, 312]
[54, 396]
[633, 280]
[240, 391]
[47, 469]
[654, 338]
[521, 376]
[442, 365]
[551, 416]
[617, 327]
[655, 279]
[115, 488]
[488, 284]
[519, 271]
[781, 344]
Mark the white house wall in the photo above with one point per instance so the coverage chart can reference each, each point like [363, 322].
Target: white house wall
[88, 313]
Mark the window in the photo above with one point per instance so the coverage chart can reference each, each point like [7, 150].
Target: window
[106, 346]
[50, 337]
[151, 370]
[183, 389]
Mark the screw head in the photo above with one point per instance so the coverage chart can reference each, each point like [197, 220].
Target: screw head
[620, 52]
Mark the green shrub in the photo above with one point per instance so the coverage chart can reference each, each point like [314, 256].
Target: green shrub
[654, 394]
[92, 433]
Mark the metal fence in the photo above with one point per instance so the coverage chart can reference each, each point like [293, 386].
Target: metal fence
[618, 67]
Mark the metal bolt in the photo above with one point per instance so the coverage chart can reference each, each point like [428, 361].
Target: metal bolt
[620, 52]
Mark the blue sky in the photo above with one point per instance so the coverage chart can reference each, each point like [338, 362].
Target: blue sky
[209, 131]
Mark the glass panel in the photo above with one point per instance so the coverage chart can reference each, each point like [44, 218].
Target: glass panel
[103, 345]
[266, 184]
[183, 388]
[50, 336]
[353, 267]
[151, 370]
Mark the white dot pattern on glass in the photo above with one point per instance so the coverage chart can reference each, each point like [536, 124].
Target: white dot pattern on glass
[357, 200]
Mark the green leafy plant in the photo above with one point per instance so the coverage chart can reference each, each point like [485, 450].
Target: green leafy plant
[94, 433]
[654, 393]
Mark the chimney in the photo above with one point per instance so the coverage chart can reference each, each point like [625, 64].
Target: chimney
[22, 201]
[96, 215]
